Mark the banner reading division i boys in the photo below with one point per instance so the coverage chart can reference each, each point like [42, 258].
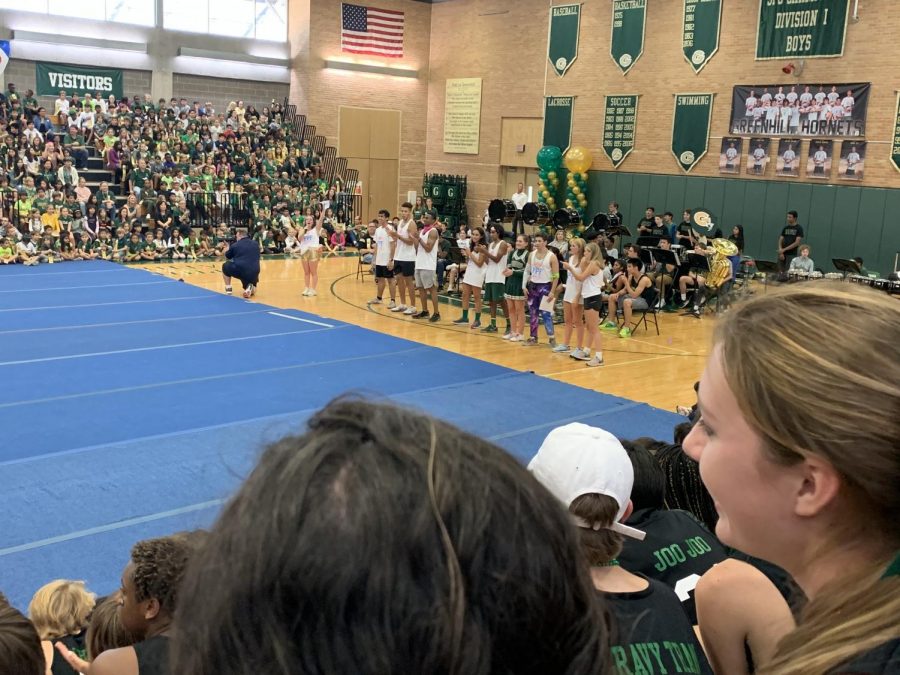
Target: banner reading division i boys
[562, 48]
[700, 31]
[627, 43]
[558, 121]
[690, 128]
[54, 77]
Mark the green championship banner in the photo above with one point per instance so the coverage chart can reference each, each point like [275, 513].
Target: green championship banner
[690, 128]
[562, 49]
[801, 29]
[558, 121]
[54, 77]
[700, 31]
[619, 122]
[895, 145]
[627, 42]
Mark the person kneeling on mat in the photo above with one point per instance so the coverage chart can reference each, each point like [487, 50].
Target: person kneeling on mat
[242, 263]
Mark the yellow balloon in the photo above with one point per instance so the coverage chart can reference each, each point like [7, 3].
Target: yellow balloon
[576, 190]
[552, 175]
[578, 159]
[570, 175]
[546, 194]
[571, 183]
[569, 203]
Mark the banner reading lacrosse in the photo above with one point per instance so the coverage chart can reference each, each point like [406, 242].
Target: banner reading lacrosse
[627, 42]
[558, 121]
[562, 49]
[895, 146]
[837, 110]
[619, 122]
[801, 29]
[700, 31]
[53, 77]
[690, 128]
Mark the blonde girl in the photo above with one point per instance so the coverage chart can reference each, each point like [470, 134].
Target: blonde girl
[310, 242]
[573, 311]
[590, 274]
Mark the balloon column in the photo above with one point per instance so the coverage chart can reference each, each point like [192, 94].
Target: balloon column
[549, 161]
[578, 160]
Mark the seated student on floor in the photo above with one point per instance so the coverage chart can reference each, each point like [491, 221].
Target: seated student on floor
[588, 470]
[441, 519]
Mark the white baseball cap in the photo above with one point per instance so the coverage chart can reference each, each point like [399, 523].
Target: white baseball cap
[577, 459]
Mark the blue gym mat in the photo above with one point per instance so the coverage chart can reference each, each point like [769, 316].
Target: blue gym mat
[132, 405]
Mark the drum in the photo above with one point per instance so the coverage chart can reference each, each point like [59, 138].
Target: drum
[815, 275]
[798, 275]
[535, 212]
[880, 284]
[500, 209]
[566, 218]
[600, 223]
[834, 276]
[893, 287]
[855, 278]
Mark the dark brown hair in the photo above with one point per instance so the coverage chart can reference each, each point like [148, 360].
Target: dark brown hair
[20, 646]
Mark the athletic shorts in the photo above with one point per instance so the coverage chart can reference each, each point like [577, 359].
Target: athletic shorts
[494, 292]
[310, 254]
[406, 268]
[382, 272]
[636, 303]
[594, 303]
[425, 279]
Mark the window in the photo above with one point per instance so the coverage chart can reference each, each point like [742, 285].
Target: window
[140, 12]
[253, 19]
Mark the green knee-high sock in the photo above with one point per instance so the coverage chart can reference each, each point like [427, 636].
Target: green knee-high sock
[465, 315]
[494, 321]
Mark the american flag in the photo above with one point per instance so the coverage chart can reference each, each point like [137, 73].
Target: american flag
[367, 30]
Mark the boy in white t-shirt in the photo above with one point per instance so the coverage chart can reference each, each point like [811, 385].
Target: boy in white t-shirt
[384, 257]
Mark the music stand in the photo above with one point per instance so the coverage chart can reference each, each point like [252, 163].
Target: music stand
[649, 240]
[846, 266]
[767, 267]
[666, 257]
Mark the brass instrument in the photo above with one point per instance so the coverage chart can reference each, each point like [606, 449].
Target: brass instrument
[720, 266]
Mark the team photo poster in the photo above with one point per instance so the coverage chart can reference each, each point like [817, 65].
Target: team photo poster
[818, 161]
[853, 159]
[730, 155]
[836, 110]
[788, 161]
[758, 156]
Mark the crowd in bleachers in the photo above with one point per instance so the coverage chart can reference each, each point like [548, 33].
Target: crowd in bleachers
[134, 180]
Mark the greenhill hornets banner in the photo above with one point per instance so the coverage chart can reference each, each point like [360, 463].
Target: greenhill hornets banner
[53, 77]
[619, 123]
[700, 31]
[895, 145]
[627, 42]
[690, 128]
[801, 29]
[562, 49]
[558, 121]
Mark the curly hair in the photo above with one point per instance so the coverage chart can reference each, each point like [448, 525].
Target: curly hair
[159, 566]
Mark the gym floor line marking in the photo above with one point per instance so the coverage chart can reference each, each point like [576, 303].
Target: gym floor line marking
[135, 350]
[126, 323]
[567, 420]
[139, 520]
[102, 304]
[206, 378]
[80, 288]
[297, 318]
[606, 366]
[117, 270]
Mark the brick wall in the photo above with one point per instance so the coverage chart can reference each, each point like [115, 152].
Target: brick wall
[22, 73]
[221, 91]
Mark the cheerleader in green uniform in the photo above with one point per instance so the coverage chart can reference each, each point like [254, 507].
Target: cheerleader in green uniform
[515, 294]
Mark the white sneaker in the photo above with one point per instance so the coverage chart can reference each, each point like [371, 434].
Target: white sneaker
[305, 292]
[228, 290]
[559, 349]
[509, 336]
[594, 362]
[580, 355]
[392, 306]
[312, 292]
[374, 301]
[398, 308]
[516, 338]
[409, 311]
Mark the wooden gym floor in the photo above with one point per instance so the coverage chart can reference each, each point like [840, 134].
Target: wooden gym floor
[660, 370]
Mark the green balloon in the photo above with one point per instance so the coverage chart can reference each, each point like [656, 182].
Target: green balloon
[549, 158]
[543, 174]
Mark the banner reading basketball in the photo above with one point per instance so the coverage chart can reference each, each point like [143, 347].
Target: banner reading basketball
[562, 49]
[700, 31]
[690, 128]
[627, 43]
[619, 123]
[558, 121]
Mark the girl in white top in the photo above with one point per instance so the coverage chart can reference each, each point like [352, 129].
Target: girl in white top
[494, 279]
[291, 243]
[476, 268]
[590, 274]
[309, 253]
[573, 313]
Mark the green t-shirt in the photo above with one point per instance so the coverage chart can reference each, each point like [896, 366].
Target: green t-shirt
[139, 177]
[135, 247]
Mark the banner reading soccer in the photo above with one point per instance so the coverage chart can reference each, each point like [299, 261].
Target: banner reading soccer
[562, 49]
[690, 128]
[627, 42]
[558, 121]
[619, 123]
[700, 31]
[837, 110]
[54, 77]
[801, 29]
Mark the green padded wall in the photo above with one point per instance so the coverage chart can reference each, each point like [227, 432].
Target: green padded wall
[840, 221]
